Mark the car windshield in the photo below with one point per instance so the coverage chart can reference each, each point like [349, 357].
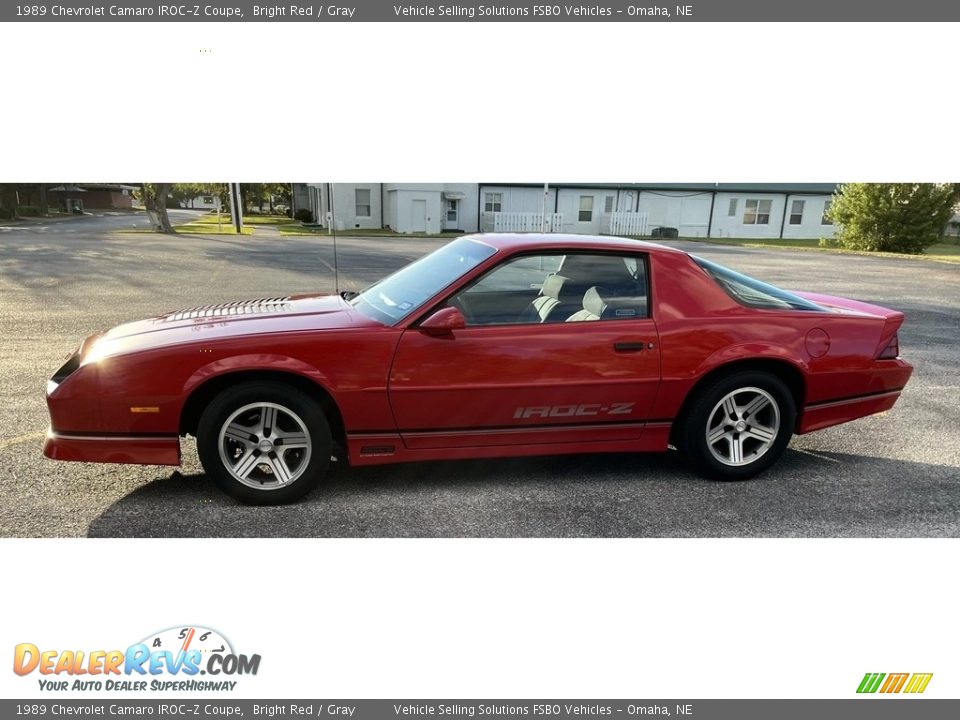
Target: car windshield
[396, 296]
[752, 292]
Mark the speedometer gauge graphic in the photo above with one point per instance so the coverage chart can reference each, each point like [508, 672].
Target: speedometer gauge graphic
[188, 637]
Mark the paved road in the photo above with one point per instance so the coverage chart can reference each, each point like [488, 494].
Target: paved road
[892, 475]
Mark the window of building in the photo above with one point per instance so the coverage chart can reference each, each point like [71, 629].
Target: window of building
[208, 200]
[825, 218]
[586, 208]
[796, 212]
[608, 204]
[493, 202]
[732, 209]
[363, 202]
[756, 212]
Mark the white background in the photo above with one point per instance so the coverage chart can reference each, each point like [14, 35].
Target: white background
[594, 102]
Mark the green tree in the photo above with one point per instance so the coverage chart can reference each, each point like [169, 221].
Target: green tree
[260, 194]
[185, 192]
[892, 217]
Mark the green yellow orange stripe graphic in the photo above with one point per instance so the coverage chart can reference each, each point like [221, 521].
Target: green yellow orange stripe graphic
[894, 682]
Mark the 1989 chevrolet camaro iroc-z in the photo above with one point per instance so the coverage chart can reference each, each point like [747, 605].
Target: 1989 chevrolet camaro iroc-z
[490, 346]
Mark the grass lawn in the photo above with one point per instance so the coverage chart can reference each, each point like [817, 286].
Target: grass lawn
[192, 228]
[199, 228]
[948, 251]
[247, 219]
[299, 229]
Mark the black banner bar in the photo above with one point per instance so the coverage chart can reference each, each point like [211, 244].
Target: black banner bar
[494, 11]
[867, 708]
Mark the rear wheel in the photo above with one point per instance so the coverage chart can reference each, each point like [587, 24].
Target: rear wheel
[264, 443]
[739, 426]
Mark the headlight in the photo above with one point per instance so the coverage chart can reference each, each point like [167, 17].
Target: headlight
[98, 350]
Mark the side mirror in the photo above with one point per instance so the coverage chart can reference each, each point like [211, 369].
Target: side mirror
[443, 322]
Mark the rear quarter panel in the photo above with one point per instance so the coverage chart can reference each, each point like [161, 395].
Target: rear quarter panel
[702, 328]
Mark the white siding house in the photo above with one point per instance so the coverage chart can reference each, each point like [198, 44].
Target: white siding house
[721, 210]
[688, 212]
[202, 202]
[770, 215]
[431, 208]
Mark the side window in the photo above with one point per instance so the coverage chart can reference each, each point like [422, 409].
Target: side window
[608, 287]
[362, 202]
[518, 275]
[825, 218]
[796, 212]
[536, 289]
[757, 212]
[585, 213]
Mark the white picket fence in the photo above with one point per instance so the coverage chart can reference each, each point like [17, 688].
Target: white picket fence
[628, 223]
[527, 222]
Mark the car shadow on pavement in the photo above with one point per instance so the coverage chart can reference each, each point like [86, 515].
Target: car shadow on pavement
[805, 495]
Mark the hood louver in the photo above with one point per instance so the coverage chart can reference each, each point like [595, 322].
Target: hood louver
[261, 306]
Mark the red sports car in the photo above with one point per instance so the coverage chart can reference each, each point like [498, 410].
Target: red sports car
[491, 346]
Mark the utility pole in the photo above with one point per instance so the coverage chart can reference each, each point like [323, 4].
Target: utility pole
[236, 207]
[543, 208]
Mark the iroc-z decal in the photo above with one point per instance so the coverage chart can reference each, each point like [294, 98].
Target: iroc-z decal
[565, 411]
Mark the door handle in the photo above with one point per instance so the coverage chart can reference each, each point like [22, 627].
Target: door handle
[631, 346]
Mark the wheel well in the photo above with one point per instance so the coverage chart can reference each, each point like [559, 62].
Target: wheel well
[790, 375]
[206, 391]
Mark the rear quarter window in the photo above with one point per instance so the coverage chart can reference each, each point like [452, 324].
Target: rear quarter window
[752, 292]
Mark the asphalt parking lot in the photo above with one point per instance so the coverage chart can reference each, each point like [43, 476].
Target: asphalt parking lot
[896, 474]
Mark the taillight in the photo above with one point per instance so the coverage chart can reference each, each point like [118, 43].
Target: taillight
[892, 350]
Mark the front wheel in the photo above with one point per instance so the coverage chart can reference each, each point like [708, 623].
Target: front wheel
[264, 443]
[739, 426]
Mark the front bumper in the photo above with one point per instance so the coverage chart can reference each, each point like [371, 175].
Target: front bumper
[130, 449]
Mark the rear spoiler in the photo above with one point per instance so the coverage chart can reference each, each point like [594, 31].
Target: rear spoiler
[893, 319]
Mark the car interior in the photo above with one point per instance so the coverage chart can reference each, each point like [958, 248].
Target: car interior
[552, 289]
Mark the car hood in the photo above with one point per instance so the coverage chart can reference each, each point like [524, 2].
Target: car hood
[206, 323]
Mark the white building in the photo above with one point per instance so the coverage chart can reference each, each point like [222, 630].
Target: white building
[721, 210]
[201, 202]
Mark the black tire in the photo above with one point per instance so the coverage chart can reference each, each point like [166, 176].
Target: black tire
[264, 487]
[705, 407]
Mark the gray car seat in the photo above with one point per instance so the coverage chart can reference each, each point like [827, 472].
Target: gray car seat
[601, 304]
[554, 303]
[593, 307]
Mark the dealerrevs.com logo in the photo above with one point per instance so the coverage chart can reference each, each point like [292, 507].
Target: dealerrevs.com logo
[176, 659]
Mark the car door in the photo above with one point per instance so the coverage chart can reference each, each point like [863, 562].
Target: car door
[518, 375]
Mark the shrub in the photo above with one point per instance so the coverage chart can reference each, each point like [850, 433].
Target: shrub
[28, 211]
[304, 215]
[892, 217]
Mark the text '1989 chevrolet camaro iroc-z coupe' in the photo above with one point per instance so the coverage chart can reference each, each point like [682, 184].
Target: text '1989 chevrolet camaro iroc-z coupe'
[490, 346]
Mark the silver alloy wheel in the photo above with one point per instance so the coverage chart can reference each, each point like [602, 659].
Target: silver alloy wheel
[265, 446]
[743, 426]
